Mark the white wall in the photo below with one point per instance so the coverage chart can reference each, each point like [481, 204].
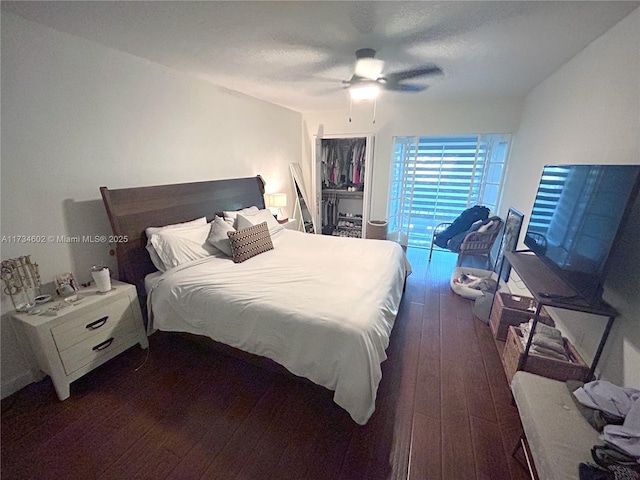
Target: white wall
[76, 116]
[399, 114]
[589, 112]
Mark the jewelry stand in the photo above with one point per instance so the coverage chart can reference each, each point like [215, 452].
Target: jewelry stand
[21, 282]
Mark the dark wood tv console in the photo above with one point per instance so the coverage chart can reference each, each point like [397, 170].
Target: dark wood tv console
[548, 289]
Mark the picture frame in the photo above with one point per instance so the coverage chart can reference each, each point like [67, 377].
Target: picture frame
[65, 284]
[509, 242]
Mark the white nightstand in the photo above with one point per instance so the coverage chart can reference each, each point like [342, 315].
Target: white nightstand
[85, 334]
[290, 224]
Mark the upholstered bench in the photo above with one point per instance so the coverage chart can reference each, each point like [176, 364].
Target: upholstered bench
[558, 436]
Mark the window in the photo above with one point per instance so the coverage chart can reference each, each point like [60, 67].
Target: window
[434, 179]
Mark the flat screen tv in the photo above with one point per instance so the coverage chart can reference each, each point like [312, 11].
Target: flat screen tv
[577, 215]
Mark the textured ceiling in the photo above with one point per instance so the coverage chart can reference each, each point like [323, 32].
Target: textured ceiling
[296, 54]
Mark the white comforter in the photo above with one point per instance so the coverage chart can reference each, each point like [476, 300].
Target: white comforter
[321, 306]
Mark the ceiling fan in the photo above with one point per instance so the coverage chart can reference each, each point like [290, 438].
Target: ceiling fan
[368, 80]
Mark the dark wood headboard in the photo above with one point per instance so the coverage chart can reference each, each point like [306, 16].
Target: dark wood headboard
[132, 210]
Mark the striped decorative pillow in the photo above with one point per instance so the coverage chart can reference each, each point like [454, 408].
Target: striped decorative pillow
[249, 242]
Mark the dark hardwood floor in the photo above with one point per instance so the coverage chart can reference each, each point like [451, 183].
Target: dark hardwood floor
[187, 411]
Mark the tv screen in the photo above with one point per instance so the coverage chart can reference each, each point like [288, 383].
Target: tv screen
[577, 214]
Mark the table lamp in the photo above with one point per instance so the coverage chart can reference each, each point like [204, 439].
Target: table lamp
[275, 201]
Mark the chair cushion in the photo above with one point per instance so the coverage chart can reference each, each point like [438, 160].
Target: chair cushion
[559, 437]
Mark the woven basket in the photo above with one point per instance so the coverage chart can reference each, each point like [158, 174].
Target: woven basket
[513, 310]
[377, 229]
[561, 370]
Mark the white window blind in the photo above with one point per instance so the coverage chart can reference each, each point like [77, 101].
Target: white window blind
[434, 179]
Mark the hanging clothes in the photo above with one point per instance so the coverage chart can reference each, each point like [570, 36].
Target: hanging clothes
[342, 162]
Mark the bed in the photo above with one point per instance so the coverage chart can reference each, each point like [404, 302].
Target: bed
[323, 307]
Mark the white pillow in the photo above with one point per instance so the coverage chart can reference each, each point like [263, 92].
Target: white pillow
[155, 259]
[218, 235]
[250, 219]
[181, 245]
[230, 217]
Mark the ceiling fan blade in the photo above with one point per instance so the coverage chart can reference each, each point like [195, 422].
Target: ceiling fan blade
[414, 72]
[326, 91]
[368, 71]
[403, 87]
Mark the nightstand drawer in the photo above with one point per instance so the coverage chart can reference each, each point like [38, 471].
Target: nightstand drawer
[87, 324]
[99, 345]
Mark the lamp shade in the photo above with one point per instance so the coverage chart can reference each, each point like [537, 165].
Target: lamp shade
[277, 200]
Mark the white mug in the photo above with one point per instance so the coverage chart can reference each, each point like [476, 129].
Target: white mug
[101, 276]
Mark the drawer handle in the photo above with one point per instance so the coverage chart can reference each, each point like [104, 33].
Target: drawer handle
[98, 323]
[103, 345]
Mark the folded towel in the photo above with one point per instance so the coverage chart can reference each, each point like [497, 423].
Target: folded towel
[541, 329]
[545, 352]
[546, 330]
[542, 351]
[557, 345]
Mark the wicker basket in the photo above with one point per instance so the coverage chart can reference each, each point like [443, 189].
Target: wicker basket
[576, 369]
[513, 310]
[376, 229]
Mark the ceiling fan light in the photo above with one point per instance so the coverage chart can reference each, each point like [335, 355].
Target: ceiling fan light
[367, 91]
[370, 68]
